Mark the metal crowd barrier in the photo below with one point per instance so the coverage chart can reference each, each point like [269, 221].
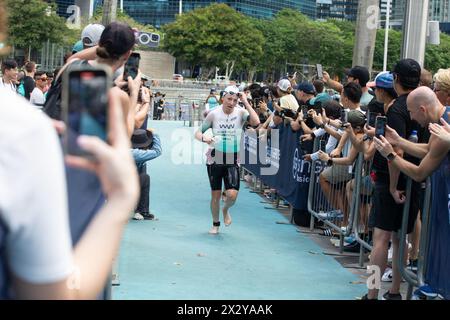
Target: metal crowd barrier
[183, 110]
[362, 205]
[257, 186]
[334, 211]
[413, 279]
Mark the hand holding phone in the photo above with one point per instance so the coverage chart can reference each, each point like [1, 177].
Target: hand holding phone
[132, 66]
[371, 118]
[343, 117]
[319, 71]
[380, 126]
[85, 105]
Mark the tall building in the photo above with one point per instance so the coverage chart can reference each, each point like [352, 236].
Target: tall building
[439, 10]
[337, 9]
[384, 9]
[87, 6]
[160, 12]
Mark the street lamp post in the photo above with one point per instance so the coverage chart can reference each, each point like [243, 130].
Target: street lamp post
[415, 30]
[386, 35]
[109, 11]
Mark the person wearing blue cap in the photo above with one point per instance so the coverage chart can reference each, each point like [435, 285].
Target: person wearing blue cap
[384, 88]
[388, 198]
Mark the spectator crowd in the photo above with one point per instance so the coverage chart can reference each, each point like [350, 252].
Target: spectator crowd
[76, 208]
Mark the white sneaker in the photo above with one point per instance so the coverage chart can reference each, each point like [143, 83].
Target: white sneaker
[387, 276]
[138, 216]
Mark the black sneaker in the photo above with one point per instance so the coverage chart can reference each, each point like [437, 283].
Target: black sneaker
[352, 247]
[148, 216]
[365, 297]
[392, 296]
[413, 265]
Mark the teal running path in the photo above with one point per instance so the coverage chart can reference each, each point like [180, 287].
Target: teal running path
[174, 257]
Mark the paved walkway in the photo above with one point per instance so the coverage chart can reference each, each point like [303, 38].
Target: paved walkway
[174, 257]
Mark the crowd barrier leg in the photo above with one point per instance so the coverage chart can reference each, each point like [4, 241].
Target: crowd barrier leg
[415, 280]
[327, 198]
[410, 277]
[361, 206]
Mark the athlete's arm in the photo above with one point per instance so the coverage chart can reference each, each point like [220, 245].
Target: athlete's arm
[207, 124]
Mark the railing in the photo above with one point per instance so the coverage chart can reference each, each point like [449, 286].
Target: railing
[413, 279]
[332, 210]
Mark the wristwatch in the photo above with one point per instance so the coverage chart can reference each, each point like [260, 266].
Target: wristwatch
[391, 156]
[322, 126]
[330, 162]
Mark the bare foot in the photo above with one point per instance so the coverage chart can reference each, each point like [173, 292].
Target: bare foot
[226, 217]
[214, 230]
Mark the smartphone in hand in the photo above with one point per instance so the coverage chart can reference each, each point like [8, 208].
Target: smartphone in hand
[131, 68]
[323, 145]
[319, 71]
[371, 118]
[380, 126]
[85, 105]
[343, 117]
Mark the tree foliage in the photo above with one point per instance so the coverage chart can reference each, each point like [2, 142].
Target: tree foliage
[212, 36]
[202, 37]
[33, 22]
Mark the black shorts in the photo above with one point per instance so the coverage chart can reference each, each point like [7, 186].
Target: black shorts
[387, 214]
[228, 173]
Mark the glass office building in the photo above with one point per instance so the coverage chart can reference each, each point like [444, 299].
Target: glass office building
[337, 9]
[160, 12]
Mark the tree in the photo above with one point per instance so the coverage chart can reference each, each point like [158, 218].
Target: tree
[437, 57]
[394, 48]
[33, 22]
[213, 36]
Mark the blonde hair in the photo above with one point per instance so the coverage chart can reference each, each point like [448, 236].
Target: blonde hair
[443, 78]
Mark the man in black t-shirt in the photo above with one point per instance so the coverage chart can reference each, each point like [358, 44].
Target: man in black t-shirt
[28, 80]
[390, 184]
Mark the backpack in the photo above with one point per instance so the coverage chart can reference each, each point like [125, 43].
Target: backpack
[21, 89]
[52, 106]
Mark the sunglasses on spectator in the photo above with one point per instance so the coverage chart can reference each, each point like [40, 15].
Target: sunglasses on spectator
[42, 79]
